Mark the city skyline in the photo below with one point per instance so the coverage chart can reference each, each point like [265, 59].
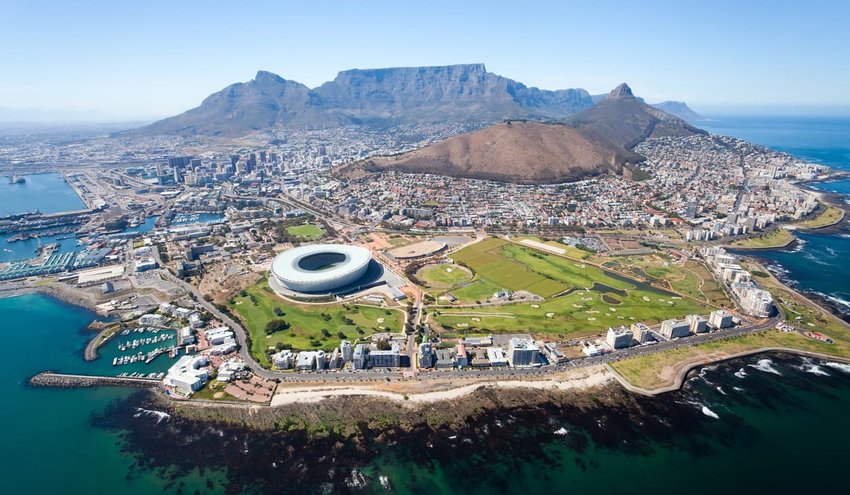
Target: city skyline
[164, 59]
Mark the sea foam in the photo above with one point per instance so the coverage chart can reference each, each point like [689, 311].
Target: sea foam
[765, 365]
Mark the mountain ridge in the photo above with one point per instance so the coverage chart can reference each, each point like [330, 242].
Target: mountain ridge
[465, 93]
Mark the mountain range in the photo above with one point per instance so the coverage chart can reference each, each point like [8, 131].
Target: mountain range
[379, 97]
[596, 141]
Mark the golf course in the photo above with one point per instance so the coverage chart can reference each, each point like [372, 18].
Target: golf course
[256, 306]
[579, 299]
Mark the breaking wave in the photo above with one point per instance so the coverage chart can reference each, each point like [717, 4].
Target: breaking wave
[765, 365]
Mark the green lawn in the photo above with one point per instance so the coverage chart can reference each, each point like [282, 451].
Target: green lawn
[577, 314]
[778, 237]
[514, 267]
[830, 216]
[307, 321]
[690, 278]
[478, 290]
[444, 275]
[307, 232]
[584, 311]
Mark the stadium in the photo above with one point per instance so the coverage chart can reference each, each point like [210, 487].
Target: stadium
[320, 267]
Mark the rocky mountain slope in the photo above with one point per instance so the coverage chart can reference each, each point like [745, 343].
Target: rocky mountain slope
[596, 141]
[459, 93]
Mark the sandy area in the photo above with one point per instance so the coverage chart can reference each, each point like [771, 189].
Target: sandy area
[575, 379]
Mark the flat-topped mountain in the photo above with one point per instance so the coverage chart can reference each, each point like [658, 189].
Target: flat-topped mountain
[596, 141]
[457, 93]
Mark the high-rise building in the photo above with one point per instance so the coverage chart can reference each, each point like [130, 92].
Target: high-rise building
[720, 319]
[347, 350]
[619, 338]
[673, 329]
[640, 332]
[698, 324]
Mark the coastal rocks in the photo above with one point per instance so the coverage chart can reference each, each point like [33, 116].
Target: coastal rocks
[49, 379]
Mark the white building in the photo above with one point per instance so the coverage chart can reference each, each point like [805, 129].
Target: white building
[188, 374]
[672, 329]
[619, 338]
[640, 332]
[283, 360]
[698, 324]
[720, 319]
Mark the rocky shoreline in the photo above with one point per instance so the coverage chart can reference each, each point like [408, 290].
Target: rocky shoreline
[335, 445]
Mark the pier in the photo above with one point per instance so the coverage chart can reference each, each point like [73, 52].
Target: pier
[63, 380]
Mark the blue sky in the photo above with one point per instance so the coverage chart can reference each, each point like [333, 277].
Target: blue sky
[144, 59]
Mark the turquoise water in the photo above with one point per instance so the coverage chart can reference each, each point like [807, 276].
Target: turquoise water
[48, 193]
[49, 445]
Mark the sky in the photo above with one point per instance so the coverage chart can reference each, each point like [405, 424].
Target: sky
[140, 60]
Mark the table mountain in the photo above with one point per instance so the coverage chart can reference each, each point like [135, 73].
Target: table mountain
[459, 93]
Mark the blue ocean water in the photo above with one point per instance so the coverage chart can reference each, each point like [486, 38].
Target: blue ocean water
[824, 140]
[48, 193]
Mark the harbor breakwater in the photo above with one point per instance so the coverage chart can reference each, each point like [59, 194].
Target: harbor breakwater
[62, 380]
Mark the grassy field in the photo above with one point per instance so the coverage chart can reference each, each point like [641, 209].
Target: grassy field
[776, 238]
[514, 267]
[690, 278]
[588, 310]
[578, 314]
[307, 321]
[830, 216]
[572, 252]
[660, 369]
[307, 232]
[444, 275]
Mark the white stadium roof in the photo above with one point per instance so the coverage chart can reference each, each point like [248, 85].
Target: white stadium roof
[320, 267]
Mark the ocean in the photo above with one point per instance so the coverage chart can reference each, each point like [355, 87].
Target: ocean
[763, 424]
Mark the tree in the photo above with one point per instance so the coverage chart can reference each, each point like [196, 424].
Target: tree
[276, 326]
[326, 333]
[384, 345]
[341, 335]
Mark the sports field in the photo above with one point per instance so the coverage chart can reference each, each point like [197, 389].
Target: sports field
[444, 275]
[307, 321]
[599, 300]
[307, 232]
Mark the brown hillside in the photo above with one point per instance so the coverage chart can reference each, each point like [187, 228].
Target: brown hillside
[525, 152]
